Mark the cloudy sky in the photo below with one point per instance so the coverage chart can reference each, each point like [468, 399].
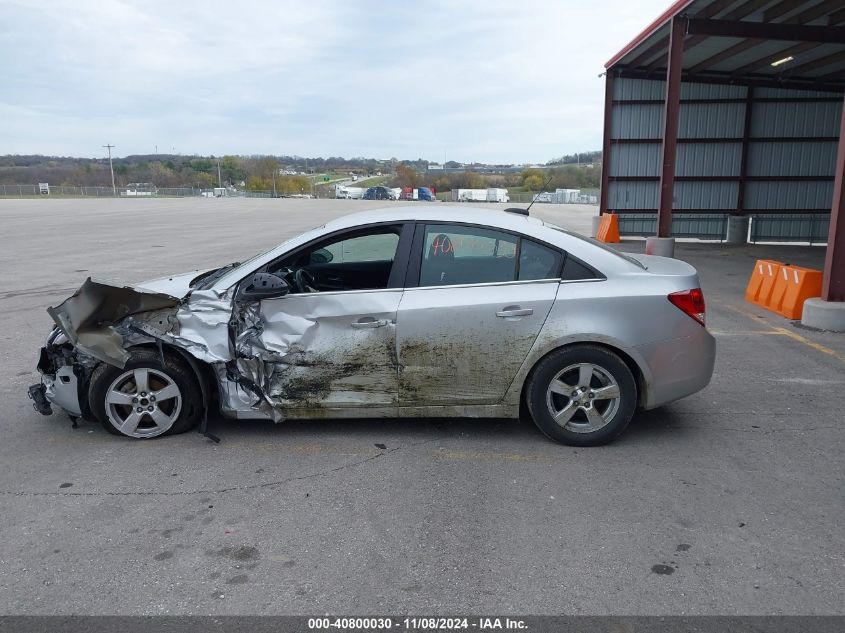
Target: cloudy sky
[474, 80]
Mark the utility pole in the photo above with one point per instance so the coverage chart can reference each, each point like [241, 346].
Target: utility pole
[219, 179]
[111, 169]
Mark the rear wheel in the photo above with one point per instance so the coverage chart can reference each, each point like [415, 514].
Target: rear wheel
[146, 399]
[583, 395]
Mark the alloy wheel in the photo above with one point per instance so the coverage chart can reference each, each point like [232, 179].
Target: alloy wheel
[143, 402]
[583, 398]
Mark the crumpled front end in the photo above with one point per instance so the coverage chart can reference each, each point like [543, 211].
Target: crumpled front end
[312, 355]
[101, 321]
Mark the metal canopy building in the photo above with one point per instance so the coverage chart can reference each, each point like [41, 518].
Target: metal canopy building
[732, 107]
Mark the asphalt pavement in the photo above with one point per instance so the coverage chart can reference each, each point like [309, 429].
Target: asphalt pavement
[727, 502]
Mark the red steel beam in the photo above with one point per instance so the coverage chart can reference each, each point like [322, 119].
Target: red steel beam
[671, 111]
[803, 17]
[768, 31]
[759, 80]
[738, 13]
[833, 279]
[605, 152]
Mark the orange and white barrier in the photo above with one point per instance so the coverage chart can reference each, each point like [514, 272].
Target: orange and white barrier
[608, 229]
[782, 288]
[759, 289]
[801, 284]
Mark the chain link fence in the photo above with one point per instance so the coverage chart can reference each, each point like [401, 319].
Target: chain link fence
[584, 196]
[587, 196]
[62, 191]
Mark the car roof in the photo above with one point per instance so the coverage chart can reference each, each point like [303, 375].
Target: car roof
[439, 213]
[602, 258]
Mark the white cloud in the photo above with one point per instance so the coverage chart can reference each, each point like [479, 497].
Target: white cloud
[489, 81]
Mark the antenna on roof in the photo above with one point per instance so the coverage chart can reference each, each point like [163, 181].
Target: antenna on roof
[538, 195]
[525, 211]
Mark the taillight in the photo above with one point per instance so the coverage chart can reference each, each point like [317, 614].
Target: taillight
[691, 302]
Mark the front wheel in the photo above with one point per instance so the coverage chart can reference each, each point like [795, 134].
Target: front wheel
[146, 399]
[583, 395]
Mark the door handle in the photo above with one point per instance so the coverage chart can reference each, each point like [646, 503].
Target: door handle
[369, 322]
[514, 311]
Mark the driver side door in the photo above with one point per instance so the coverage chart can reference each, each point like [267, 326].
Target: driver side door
[331, 343]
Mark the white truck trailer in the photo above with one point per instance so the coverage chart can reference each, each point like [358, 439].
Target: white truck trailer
[469, 195]
[497, 194]
[352, 193]
[567, 196]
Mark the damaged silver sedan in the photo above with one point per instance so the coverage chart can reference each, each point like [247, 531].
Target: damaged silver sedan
[406, 312]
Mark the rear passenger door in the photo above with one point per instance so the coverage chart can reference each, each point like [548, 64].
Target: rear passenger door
[474, 303]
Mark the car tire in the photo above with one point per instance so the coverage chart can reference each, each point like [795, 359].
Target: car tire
[169, 401]
[583, 395]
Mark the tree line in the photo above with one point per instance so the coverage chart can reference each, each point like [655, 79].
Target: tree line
[266, 173]
[167, 170]
[533, 180]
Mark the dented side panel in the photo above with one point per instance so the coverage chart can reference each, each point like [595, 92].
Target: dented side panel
[312, 351]
[454, 349]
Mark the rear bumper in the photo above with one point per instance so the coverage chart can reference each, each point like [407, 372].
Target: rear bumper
[679, 367]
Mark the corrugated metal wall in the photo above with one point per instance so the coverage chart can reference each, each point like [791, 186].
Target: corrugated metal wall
[790, 159]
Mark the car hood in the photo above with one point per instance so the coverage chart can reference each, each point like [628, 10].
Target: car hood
[174, 285]
[88, 316]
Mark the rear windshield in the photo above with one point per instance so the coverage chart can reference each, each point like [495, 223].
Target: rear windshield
[601, 245]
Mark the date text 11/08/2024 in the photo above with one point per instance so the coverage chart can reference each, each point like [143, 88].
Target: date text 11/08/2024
[421, 623]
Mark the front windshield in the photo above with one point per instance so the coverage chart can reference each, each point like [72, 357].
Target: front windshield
[249, 264]
[594, 242]
[207, 280]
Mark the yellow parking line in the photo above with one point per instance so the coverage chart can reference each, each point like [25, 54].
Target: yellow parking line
[809, 343]
[745, 333]
[784, 332]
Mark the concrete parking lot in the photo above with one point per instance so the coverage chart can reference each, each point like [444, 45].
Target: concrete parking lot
[727, 502]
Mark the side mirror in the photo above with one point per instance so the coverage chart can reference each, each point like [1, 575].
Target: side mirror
[265, 286]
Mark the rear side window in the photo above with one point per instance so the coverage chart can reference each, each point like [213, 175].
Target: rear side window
[466, 255]
[573, 270]
[537, 261]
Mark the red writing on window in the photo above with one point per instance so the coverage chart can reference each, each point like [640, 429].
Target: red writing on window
[442, 244]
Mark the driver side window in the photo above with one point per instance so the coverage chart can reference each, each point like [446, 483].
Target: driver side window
[380, 247]
[360, 260]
